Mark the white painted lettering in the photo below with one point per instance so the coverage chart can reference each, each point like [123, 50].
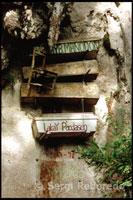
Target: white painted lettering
[80, 186]
[87, 186]
[50, 186]
[57, 186]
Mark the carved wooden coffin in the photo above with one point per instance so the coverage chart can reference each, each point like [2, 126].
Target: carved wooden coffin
[64, 125]
[74, 50]
[74, 46]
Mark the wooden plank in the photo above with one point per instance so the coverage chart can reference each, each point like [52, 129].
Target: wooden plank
[74, 68]
[78, 40]
[64, 91]
[68, 69]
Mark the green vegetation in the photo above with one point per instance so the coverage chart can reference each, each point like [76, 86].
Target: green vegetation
[106, 37]
[115, 157]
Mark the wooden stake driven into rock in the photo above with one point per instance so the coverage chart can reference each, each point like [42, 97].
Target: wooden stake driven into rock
[31, 71]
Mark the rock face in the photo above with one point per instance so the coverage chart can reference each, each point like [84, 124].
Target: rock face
[52, 21]
[112, 22]
[55, 20]
[4, 58]
[26, 24]
[30, 21]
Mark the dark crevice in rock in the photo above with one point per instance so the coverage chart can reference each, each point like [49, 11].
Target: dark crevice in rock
[64, 24]
[107, 46]
[112, 52]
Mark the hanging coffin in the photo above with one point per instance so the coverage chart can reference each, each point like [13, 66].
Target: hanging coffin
[64, 125]
[73, 46]
[76, 49]
[69, 69]
[72, 92]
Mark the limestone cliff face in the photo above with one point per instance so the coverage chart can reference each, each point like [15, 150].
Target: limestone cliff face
[50, 22]
[112, 21]
[28, 165]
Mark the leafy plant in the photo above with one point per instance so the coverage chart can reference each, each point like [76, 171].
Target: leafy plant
[114, 157]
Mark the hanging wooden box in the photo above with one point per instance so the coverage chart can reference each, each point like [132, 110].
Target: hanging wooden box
[74, 50]
[63, 91]
[75, 45]
[64, 125]
[68, 69]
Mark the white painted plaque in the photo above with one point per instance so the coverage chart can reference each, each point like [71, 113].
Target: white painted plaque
[65, 123]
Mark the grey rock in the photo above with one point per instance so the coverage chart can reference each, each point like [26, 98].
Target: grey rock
[4, 58]
[27, 25]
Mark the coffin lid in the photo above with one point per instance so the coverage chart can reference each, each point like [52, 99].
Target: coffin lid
[66, 116]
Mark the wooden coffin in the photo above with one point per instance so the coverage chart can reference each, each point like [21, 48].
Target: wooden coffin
[68, 69]
[74, 50]
[75, 46]
[64, 125]
[67, 91]
[69, 51]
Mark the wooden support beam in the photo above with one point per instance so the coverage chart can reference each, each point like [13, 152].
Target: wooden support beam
[31, 71]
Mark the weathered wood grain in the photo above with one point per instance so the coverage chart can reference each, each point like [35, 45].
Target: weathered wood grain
[69, 91]
[68, 69]
[79, 40]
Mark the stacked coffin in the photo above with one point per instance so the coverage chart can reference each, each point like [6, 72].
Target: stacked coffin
[76, 68]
